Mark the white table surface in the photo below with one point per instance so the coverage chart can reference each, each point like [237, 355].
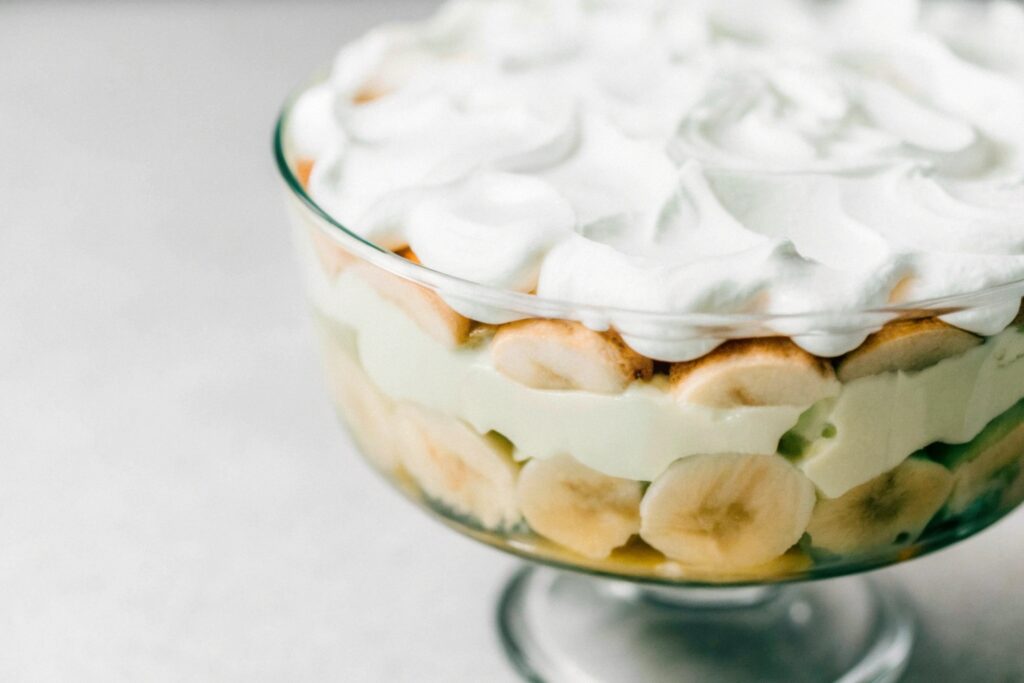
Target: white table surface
[176, 502]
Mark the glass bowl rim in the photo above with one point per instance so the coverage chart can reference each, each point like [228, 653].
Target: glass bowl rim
[531, 305]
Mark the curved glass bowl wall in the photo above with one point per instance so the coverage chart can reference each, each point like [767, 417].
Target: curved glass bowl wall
[384, 311]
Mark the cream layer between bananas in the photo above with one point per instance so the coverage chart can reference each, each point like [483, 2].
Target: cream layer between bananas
[689, 156]
[879, 420]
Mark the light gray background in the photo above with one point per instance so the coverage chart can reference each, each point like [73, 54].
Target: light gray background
[176, 502]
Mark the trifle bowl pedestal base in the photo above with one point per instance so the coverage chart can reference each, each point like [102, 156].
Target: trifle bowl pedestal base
[566, 627]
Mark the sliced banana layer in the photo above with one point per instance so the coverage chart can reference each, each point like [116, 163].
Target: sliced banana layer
[471, 474]
[560, 354]
[754, 372]
[368, 413]
[905, 345]
[891, 509]
[425, 307]
[727, 511]
[986, 464]
[577, 507]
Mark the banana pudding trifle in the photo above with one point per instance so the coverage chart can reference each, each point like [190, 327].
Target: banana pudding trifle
[680, 291]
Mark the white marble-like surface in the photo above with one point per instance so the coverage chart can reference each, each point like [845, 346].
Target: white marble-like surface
[176, 502]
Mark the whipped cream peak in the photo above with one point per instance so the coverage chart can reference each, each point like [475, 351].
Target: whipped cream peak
[689, 156]
[493, 228]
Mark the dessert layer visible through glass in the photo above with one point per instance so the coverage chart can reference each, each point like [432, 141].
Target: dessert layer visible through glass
[684, 300]
[756, 462]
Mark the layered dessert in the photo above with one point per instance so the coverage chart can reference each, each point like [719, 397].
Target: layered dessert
[678, 290]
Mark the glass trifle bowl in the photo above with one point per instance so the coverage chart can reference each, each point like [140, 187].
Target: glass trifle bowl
[680, 481]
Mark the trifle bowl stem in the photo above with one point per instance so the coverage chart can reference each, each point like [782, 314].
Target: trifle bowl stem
[560, 626]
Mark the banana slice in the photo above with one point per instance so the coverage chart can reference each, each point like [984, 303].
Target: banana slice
[995, 469]
[754, 372]
[792, 562]
[577, 507]
[425, 307]
[1013, 494]
[728, 511]
[986, 464]
[472, 475]
[560, 354]
[905, 345]
[890, 510]
[367, 412]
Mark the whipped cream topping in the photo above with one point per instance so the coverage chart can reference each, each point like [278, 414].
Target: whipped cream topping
[689, 156]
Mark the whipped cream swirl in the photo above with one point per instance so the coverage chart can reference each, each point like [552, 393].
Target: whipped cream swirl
[689, 156]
